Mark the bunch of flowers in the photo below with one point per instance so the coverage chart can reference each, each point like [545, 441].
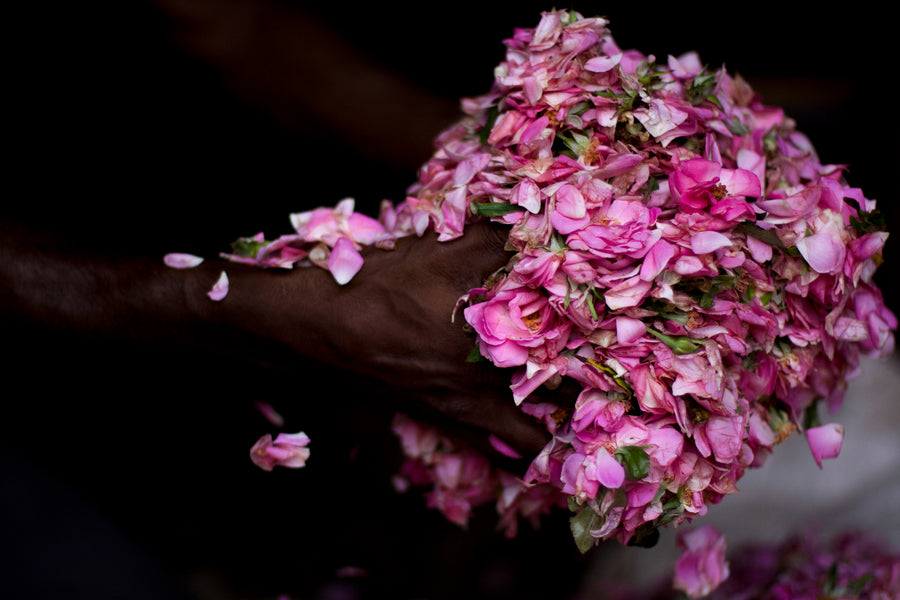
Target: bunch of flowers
[679, 251]
[803, 566]
[849, 565]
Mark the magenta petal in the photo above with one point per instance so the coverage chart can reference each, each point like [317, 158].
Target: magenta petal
[609, 471]
[825, 441]
[344, 261]
[219, 289]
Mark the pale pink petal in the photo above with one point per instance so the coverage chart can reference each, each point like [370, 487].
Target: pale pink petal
[526, 194]
[344, 261]
[629, 330]
[179, 260]
[220, 288]
[287, 450]
[570, 202]
[823, 250]
[825, 441]
[685, 66]
[759, 250]
[702, 566]
[741, 182]
[656, 260]
[602, 64]
[705, 242]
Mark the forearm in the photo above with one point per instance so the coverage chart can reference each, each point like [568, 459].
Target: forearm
[276, 317]
[49, 281]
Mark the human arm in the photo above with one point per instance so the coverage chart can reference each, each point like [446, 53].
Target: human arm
[390, 325]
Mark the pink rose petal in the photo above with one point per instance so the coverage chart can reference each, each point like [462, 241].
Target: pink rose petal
[219, 289]
[180, 260]
[344, 261]
[502, 447]
[825, 441]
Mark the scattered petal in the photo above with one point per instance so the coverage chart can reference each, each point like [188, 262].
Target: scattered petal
[220, 288]
[825, 441]
[180, 260]
[286, 450]
[502, 447]
[344, 261]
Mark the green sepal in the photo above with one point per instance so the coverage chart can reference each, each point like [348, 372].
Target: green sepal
[678, 344]
[645, 536]
[852, 589]
[635, 460]
[475, 356]
[493, 209]
[246, 247]
[701, 89]
[868, 222]
[485, 132]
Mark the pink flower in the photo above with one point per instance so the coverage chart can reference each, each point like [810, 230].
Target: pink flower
[825, 441]
[624, 228]
[698, 184]
[570, 213]
[287, 450]
[583, 474]
[513, 322]
[702, 567]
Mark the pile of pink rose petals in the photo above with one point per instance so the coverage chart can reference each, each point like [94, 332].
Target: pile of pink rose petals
[679, 252]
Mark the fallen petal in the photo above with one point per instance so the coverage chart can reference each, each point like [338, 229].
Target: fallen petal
[502, 447]
[220, 288]
[180, 260]
[825, 441]
[344, 261]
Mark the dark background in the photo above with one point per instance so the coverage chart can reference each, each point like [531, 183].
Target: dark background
[125, 468]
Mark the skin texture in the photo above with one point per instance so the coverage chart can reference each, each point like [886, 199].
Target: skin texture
[391, 326]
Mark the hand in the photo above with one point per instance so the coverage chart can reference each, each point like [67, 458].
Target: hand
[394, 325]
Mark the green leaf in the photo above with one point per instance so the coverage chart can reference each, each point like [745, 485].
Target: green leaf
[854, 588]
[867, 222]
[645, 536]
[493, 209]
[485, 132]
[767, 236]
[678, 344]
[581, 524]
[635, 460]
[764, 235]
[701, 89]
[475, 355]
